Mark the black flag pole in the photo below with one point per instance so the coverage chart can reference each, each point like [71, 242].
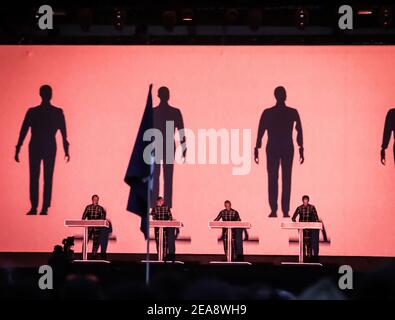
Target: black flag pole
[149, 190]
[139, 175]
[147, 278]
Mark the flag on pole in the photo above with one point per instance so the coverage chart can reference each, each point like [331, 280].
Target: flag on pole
[139, 174]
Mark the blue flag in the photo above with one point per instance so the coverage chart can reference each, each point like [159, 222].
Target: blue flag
[139, 173]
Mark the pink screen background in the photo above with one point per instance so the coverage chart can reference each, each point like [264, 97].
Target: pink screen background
[342, 95]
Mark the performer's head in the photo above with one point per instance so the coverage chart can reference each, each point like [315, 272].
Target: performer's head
[46, 93]
[164, 94]
[228, 205]
[280, 94]
[305, 200]
[159, 201]
[95, 199]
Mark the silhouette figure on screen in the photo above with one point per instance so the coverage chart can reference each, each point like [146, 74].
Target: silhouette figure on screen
[279, 122]
[389, 128]
[44, 121]
[167, 119]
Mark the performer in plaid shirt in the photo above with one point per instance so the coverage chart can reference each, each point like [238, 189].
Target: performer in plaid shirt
[161, 212]
[94, 212]
[306, 213]
[228, 214]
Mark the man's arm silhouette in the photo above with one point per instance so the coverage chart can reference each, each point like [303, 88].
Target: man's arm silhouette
[180, 128]
[22, 134]
[299, 137]
[63, 131]
[388, 128]
[261, 131]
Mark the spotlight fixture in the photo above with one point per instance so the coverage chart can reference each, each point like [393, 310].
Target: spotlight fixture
[187, 15]
[364, 12]
[119, 18]
[386, 17]
[301, 17]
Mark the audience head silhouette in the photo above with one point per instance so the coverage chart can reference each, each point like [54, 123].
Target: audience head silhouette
[163, 94]
[280, 94]
[46, 93]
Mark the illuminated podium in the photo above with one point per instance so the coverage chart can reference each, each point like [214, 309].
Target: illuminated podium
[161, 224]
[87, 224]
[300, 226]
[229, 225]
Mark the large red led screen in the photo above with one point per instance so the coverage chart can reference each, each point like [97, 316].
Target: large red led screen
[338, 100]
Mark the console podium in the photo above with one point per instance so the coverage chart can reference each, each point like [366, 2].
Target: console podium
[229, 225]
[161, 224]
[86, 224]
[300, 226]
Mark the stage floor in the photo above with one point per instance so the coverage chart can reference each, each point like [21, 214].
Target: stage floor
[360, 264]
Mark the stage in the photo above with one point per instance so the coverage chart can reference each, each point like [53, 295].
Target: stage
[35, 259]
[127, 269]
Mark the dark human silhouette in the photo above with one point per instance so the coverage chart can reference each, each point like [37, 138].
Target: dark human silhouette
[279, 122]
[44, 121]
[164, 113]
[389, 128]
[60, 263]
